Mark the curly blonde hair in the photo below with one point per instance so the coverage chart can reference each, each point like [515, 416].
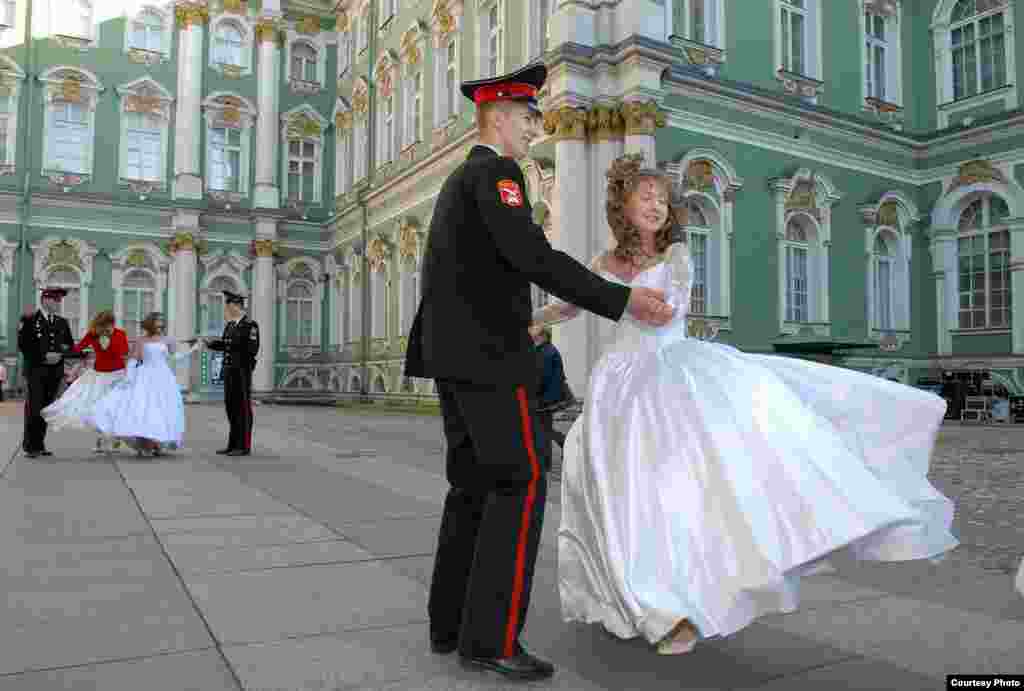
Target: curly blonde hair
[624, 177]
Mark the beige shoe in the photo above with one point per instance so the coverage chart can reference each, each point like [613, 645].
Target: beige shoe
[680, 640]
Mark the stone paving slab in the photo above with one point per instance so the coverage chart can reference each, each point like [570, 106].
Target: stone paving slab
[244, 530]
[396, 538]
[199, 559]
[261, 606]
[83, 602]
[202, 670]
[860, 673]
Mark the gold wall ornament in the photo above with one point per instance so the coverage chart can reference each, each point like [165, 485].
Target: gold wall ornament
[444, 19]
[803, 196]
[264, 248]
[308, 25]
[302, 126]
[182, 241]
[642, 117]
[64, 252]
[566, 123]
[342, 22]
[266, 31]
[8, 83]
[605, 123]
[235, 6]
[231, 116]
[70, 89]
[409, 47]
[343, 121]
[976, 171]
[888, 215]
[139, 103]
[377, 253]
[409, 241]
[360, 100]
[700, 175]
[191, 14]
[137, 258]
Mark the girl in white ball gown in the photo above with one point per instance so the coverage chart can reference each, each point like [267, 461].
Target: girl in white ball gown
[146, 406]
[702, 482]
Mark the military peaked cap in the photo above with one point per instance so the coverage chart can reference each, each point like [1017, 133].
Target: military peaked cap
[521, 85]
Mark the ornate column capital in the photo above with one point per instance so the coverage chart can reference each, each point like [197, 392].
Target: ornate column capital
[185, 241]
[605, 123]
[642, 117]
[191, 14]
[264, 248]
[566, 123]
[267, 31]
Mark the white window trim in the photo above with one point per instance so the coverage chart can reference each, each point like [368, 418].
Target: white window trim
[344, 51]
[90, 36]
[318, 44]
[819, 249]
[363, 17]
[410, 133]
[220, 264]
[537, 28]
[714, 22]
[91, 88]
[41, 270]
[166, 21]
[941, 27]
[247, 42]
[8, 259]
[10, 21]
[293, 339]
[158, 268]
[285, 279]
[388, 69]
[353, 270]
[145, 86]
[441, 114]
[894, 53]
[317, 139]
[360, 139]
[12, 76]
[812, 38]
[901, 240]
[214, 108]
[483, 44]
[380, 296]
[388, 10]
[987, 230]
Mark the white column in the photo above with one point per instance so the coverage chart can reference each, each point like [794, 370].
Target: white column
[944, 271]
[188, 179]
[263, 304]
[266, 194]
[725, 255]
[574, 233]
[183, 323]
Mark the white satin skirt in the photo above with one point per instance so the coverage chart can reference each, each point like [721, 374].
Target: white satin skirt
[701, 482]
[76, 403]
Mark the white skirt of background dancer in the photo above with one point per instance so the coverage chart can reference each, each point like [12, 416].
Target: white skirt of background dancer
[78, 400]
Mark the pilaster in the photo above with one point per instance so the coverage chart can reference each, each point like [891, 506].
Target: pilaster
[642, 119]
[192, 18]
[266, 192]
[1016, 226]
[182, 324]
[943, 249]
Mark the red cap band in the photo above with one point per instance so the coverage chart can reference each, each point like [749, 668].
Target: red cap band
[504, 92]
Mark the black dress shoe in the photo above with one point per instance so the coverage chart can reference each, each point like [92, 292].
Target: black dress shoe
[443, 646]
[44, 452]
[224, 452]
[32, 454]
[237, 452]
[522, 666]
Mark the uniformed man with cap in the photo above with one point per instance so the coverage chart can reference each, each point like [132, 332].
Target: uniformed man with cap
[45, 341]
[240, 344]
[470, 335]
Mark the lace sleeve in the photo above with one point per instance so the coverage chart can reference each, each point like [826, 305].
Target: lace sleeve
[558, 311]
[680, 276]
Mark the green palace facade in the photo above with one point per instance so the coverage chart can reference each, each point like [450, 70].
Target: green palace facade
[852, 171]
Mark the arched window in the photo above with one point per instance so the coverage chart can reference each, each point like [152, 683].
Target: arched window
[299, 313]
[304, 62]
[70, 306]
[147, 33]
[70, 132]
[797, 275]
[138, 298]
[228, 44]
[215, 304]
[978, 46]
[378, 385]
[983, 252]
[885, 275]
[696, 238]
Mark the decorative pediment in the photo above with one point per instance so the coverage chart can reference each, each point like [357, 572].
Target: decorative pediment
[304, 122]
[706, 171]
[54, 251]
[893, 209]
[146, 95]
[300, 268]
[342, 115]
[807, 191]
[976, 171]
[140, 256]
[229, 110]
[11, 76]
[219, 261]
[66, 84]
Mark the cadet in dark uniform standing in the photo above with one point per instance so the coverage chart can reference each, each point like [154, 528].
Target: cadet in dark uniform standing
[240, 344]
[44, 339]
[470, 335]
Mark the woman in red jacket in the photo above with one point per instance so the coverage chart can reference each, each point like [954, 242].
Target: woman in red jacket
[109, 346]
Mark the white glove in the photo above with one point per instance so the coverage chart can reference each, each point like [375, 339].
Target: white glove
[53, 358]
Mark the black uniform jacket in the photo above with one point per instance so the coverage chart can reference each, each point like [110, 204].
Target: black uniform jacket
[483, 252]
[240, 343]
[36, 338]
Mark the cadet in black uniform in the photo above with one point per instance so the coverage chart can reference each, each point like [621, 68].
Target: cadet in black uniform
[470, 335]
[44, 339]
[240, 344]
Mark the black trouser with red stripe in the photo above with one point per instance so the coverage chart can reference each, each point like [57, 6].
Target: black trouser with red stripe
[491, 528]
[238, 404]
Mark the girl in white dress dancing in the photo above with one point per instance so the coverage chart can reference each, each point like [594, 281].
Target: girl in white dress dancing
[701, 482]
[147, 406]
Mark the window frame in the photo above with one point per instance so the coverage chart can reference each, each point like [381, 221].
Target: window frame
[297, 339]
[88, 92]
[489, 33]
[893, 63]
[316, 139]
[986, 229]
[244, 68]
[12, 76]
[163, 51]
[160, 112]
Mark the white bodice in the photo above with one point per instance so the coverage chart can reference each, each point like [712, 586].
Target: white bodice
[629, 334]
